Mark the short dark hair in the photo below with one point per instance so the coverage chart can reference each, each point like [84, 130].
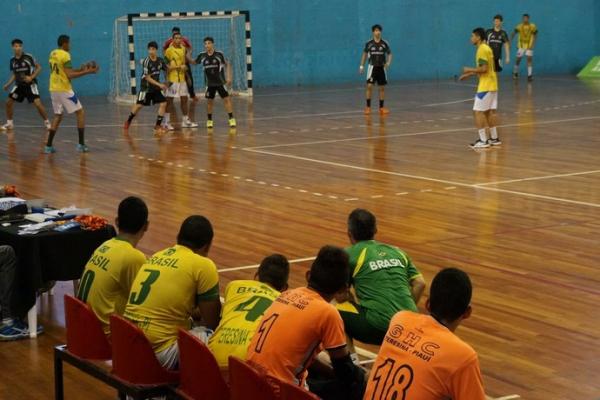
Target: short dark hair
[153, 44]
[480, 32]
[330, 272]
[450, 294]
[16, 41]
[133, 214]
[362, 224]
[274, 270]
[208, 39]
[195, 232]
[62, 39]
[376, 26]
[526, 15]
[176, 29]
[498, 16]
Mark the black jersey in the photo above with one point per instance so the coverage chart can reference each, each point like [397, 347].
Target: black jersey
[214, 68]
[377, 52]
[22, 67]
[495, 40]
[152, 69]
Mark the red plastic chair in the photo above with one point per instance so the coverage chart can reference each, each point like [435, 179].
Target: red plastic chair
[199, 372]
[248, 383]
[294, 392]
[85, 336]
[134, 360]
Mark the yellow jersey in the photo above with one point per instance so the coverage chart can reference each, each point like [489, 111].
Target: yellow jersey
[175, 55]
[488, 82]
[167, 289]
[59, 81]
[526, 33]
[245, 303]
[107, 278]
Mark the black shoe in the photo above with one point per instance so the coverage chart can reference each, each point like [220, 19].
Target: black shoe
[515, 75]
[494, 142]
[530, 78]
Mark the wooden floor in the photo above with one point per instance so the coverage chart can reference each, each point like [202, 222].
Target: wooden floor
[523, 220]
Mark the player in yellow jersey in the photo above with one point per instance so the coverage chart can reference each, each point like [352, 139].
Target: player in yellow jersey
[244, 306]
[486, 98]
[108, 275]
[174, 284]
[61, 91]
[527, 36]
[177, 59]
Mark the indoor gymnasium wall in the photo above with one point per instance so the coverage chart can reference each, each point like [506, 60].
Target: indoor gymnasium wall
[304, 42]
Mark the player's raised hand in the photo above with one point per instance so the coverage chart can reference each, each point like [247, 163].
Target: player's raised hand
[163, 87]
[464, 76]
[5, 87]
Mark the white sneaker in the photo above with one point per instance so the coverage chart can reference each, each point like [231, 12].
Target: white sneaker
[7, 126]
[189, 124]
[168, 127]
[479, 144]
[48, 124]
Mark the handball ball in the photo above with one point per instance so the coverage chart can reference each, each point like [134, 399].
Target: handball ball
[92, 64]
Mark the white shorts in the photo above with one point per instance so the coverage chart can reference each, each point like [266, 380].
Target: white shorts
[526, 52]
[169, 357]
[486, 101]
[65, 101]
[178, 89]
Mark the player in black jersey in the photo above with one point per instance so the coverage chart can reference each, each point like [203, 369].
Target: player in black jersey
[151, 87]
[217, 75]
[497, 38]
[379, 55]
[24, 71]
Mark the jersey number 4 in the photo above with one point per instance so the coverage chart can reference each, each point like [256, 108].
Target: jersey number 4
[54, 68]
[391, 382]
[255, 307]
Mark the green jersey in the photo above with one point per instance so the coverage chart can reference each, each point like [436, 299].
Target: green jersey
[381, 276]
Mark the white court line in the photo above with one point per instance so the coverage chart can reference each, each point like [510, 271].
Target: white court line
[297, 260]
[558, 121]
[509, 397]
[448, 102]
[535, 178]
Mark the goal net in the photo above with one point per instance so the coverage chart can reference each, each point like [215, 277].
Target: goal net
[131, 34]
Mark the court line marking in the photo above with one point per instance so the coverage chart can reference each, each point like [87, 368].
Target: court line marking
[447, 102]
[558, 121]
[297, 260]
[425, 178]
[534, 178]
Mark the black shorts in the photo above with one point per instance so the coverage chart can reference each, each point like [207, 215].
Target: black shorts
[377, 75]
[149, 98]
[22, 92]
[498, 64]
[189, 79]
[212, 90]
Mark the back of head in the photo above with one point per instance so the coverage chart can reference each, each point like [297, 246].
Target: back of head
[62, 39]
[195, 232]
[362, 225]
[450, 294]
[480, 32]
[275, 271]
[330, 272]
[132, 215]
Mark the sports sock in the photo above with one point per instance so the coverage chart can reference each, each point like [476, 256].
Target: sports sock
[368, 102]
[81, 133]
[9, 121]
[131, 117]
[493, 133]
[51, 134]
[482, 135]
[381, 103]
[159, 120]
[529, 71]
[230, 115]
[209, 116]
[167, 118]
[515, 69]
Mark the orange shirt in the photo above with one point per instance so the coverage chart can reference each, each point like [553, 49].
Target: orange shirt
[294, 329]
[421, 359]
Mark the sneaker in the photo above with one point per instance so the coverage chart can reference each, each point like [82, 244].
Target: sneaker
[232, 123]
[48, 125]
[189, 124]
[82, 148]
[384, 111]
[49, 149]
[126, 125]
[210, 124]
[494, 142]
[7, 126]
[515, 75]
[530, 78]
[367, 110]
[479, 144]
[168, 127]
[17, 330]
[159, 130]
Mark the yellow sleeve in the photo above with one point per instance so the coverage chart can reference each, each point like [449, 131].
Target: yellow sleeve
[533, 29]
[66, 60]
[208, 282]
[132, 267]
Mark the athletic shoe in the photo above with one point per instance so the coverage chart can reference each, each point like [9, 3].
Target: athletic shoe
[126, 125]
[159, 130]
[82, 148]
[232, 123]
[494, 142]
[168, 127]
[530, 78]
[48, 125]
[17, 330]
[210, 124]
[367, 110]
[383, 111]
[515, 75]
[189, 124]
[49, 149]
[479, 144]
[8, 126]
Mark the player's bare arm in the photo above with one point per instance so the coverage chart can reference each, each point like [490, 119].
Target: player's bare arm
[363, 59]
[389, 61]
[10, 81]
[417, 287]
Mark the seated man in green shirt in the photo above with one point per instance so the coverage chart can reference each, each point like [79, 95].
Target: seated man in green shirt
[384, 279]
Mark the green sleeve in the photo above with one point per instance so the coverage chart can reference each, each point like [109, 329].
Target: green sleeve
[210, 294]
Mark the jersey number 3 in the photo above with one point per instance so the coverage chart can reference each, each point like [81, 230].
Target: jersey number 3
[139, 297]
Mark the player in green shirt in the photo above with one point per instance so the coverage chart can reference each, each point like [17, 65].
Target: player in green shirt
[384, 279]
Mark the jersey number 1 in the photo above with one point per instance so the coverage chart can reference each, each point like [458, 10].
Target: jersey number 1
[391, 382]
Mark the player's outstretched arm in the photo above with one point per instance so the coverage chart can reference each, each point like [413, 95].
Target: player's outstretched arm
[417, 287]
[156, 83]
[10, 81]
[82, 71]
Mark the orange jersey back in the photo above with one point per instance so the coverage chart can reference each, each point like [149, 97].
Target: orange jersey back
[420, 359]
[298, 325]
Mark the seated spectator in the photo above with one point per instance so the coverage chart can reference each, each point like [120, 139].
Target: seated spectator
[171, 285]
[301, 323]
[244, 306]
[384, 278]
[421, 357]
[108, 275]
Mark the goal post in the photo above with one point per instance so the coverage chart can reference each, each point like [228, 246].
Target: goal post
[131, 33]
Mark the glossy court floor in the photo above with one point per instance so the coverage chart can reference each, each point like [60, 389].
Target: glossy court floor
[522, 219]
